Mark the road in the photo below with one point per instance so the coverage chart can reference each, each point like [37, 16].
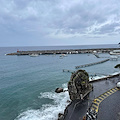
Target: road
[109, 108]
[78, 109]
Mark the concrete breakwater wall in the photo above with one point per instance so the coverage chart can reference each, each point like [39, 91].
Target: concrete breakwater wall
[70, 51]
[90, 64]
[105, 78]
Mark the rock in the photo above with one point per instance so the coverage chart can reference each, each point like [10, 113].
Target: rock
[79, 85]
[117, 66]
[68, 101]
[59, 90]
[60, 116]
[65, 90]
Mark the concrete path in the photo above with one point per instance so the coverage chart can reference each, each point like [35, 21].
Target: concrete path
[109, 109]
[78, 109]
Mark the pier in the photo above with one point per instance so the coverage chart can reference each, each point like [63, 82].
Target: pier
[69, 51]
[97, 55]
[113, 58]
[90, 64]
[71, 71]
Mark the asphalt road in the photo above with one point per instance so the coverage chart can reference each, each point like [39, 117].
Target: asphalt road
[109, 108]
[78, 109]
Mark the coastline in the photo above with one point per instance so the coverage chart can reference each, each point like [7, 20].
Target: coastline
[70, 108]
[105, 78]
[46, 58]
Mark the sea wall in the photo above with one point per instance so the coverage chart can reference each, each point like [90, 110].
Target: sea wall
[105, 78]
[70, 51]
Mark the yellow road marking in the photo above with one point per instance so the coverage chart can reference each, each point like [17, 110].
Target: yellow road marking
[117, 88]
[111, 91]
[107, 94]
[99, 99]
[97, 109]
[94, 105]
[114, 90]
[103, 96]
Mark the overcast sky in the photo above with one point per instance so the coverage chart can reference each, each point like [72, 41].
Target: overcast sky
[59, 22]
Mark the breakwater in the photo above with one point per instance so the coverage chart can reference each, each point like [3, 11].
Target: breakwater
[105, 78]
[69, 51]
[90, 64]
[71, 71]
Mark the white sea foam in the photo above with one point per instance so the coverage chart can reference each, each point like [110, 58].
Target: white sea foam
[103, 76]
[96, 77]
[115, 73]
[48, 111]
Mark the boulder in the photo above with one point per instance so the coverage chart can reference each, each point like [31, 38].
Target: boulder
[60, 116]
[59, 90]
[79, 85]
[117, 66]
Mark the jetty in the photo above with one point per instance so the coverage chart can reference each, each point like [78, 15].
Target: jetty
[71, 71]
[67, 51]
[90, 64]
[105, 78]
[97, 55]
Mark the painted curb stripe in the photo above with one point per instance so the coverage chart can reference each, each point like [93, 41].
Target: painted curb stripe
[96, 102]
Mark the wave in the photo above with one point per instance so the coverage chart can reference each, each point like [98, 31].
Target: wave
[96, 77]
[103, 76]
[115, 73]
[47, 111]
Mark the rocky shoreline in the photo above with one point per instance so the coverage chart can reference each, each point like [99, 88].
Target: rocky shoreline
[75, 98]
[78, 88]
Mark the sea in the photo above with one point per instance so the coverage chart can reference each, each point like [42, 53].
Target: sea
[27, 84]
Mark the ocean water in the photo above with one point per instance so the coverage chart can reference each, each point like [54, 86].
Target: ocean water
[27, 83]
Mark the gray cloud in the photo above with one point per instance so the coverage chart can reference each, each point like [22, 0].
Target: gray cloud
[109, 28]
[46, 17]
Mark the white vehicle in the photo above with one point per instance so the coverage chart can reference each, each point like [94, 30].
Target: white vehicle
[115, 52]
[118, 84]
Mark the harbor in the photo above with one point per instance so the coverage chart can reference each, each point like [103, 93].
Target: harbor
[90, 64]
[59, 60]
[68, 51]
[35, 77]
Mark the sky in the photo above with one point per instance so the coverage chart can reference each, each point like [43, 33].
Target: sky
[59, 22]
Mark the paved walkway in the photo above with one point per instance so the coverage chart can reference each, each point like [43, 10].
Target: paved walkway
[78, 109]
[109, 109]
[96, 102]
